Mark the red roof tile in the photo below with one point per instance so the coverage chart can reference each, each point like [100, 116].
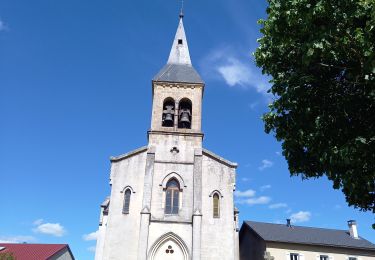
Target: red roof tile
[32, 251]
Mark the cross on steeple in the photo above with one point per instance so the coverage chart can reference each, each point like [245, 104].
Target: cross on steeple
[182, 9]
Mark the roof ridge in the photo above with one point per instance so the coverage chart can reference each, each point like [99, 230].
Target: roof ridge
[270, 223]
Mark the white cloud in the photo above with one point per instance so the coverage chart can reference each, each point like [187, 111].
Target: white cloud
[253, 105]
[265, 187]
[248, 197]
[91, 249]
[54, 229]
[255, 201]
[244, 194]
[16, 239]
[278, 205]
[3, 27]
[38, 222]
[236, 69]
[244, 179]
[235, 72]
[265, 164]
[337, 206]
[301, 216]
[91, 236]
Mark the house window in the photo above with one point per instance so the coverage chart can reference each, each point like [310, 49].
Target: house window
[352, 258]
[216, 205]
[294, 257]
[324, 257]
[127, 195]
[172, 197]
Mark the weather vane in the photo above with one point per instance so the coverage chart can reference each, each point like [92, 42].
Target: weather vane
[182, 9]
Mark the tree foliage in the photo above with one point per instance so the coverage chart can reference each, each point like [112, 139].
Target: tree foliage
[7, 256]
[321, 56]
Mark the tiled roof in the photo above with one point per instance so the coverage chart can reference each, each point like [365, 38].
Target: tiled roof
[178, 73]
[308, 235]
[33, 251]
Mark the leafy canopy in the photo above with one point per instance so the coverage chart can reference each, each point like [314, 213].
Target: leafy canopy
[7, 256]
[321, 56]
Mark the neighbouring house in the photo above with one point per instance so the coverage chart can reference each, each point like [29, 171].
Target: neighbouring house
[266, 241]
[37, 251]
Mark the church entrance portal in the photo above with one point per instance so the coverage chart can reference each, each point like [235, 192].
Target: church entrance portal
[169, 247]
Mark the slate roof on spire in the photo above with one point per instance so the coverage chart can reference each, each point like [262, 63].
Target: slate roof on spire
[179, 67]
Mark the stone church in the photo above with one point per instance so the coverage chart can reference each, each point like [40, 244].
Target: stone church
[171, 199]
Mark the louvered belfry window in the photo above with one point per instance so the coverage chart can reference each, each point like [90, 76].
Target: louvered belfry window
[127, 196]
[172, 194]
[216, 205]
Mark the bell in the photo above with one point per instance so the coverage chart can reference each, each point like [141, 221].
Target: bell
[168, 118]
[185, 117]
[168, 115]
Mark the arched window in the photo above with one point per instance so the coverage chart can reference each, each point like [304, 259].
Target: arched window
[127, 195]
[216, 205]
[184, 114]
[168, 113]
[172, 197]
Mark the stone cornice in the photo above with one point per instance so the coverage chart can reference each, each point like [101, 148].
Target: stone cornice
[129, 154]
[219, 159]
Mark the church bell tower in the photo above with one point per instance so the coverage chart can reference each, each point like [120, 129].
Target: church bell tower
[176, 88]
[171, 199]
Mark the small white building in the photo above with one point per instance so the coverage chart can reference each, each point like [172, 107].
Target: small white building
[171, 199]
[266, 241]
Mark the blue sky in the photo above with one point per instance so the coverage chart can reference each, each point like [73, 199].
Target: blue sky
[75, 88]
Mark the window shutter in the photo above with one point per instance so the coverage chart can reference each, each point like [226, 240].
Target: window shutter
[317, 257]
[331, 258]
[301, 257]
[287, 256]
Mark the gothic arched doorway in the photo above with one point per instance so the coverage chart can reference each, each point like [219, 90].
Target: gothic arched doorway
[169, 247]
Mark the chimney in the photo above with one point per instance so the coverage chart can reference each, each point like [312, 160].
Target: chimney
[288, 222]
[353, 229]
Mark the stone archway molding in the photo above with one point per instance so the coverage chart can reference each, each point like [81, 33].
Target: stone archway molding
[216, 192]
[170, 176]
[160, 241]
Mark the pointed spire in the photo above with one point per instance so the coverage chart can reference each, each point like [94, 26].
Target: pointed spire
[179, 67]
[180, 51]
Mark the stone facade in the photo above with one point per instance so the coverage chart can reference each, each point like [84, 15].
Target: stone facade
[148, 230]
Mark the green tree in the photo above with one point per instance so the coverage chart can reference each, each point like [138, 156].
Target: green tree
[7, 256]
[321, 56]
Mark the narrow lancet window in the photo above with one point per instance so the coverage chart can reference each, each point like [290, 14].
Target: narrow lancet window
[184, 115]
[216, 206]
[172, 195]
[127, 196]
[168, 113]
